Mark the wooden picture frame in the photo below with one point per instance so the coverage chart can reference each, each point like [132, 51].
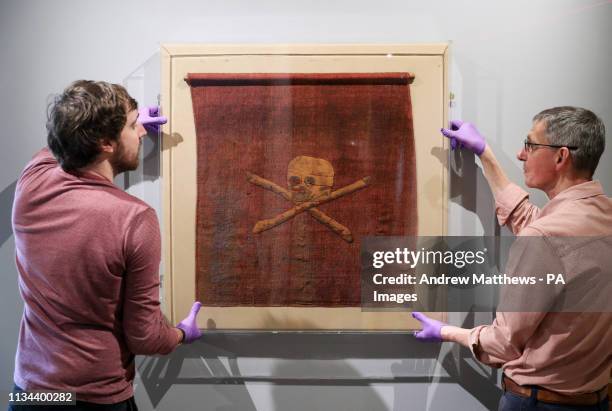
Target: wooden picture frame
[430, 100]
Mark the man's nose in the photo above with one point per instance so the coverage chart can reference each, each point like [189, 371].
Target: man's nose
[521, 155]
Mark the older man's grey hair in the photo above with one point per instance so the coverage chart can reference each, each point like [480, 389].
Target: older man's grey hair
[576, 127]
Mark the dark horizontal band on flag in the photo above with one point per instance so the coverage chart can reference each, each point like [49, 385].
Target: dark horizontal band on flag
[257, 79]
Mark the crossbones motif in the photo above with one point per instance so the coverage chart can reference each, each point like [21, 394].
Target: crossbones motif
[309, 181]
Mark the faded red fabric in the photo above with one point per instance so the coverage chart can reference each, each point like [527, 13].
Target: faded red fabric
[257, 123]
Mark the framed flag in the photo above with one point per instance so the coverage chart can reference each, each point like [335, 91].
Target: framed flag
[278, 160]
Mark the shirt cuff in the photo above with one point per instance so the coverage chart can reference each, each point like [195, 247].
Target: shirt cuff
[507, 200]
[474, 341]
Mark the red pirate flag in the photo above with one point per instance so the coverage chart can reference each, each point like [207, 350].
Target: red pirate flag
[293, 171]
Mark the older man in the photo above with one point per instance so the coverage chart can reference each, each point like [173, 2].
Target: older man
[551, 360]
[88, 255]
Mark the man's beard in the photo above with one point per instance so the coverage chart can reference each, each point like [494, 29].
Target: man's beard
[121, 161]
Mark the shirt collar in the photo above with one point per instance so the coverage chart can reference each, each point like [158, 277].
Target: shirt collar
[576, 192]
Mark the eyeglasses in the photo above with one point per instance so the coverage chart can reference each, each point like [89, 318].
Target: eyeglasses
[529, 146]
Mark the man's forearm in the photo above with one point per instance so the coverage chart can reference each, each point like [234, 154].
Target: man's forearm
[456, 334]
[495, 175]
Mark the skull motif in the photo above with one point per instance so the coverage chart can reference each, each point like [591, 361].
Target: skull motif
[309, 178]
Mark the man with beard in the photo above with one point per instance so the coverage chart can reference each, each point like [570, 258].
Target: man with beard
[88, 255]
[551, 360]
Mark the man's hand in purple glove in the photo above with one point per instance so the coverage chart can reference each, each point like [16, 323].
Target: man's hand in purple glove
[431, 331]
[464, 135]
[190, 326]
[151, 120]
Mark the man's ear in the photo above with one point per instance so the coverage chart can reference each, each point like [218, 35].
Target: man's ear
[563, 157]
[107, 145]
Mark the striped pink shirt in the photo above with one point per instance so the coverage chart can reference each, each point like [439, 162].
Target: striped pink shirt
[565, 352]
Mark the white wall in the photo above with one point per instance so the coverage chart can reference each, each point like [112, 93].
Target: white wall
[509, 61]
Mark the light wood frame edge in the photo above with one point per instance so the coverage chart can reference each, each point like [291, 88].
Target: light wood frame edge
[167, 281]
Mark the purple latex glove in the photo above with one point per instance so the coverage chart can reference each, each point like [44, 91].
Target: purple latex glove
[431, 328]
[190, 326]
[151, 120]
[464, 135]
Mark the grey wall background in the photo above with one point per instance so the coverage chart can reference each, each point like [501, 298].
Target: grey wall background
[509, 61]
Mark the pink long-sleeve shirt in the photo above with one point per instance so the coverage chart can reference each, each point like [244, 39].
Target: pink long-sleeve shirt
[569, 353]
[88, 257]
